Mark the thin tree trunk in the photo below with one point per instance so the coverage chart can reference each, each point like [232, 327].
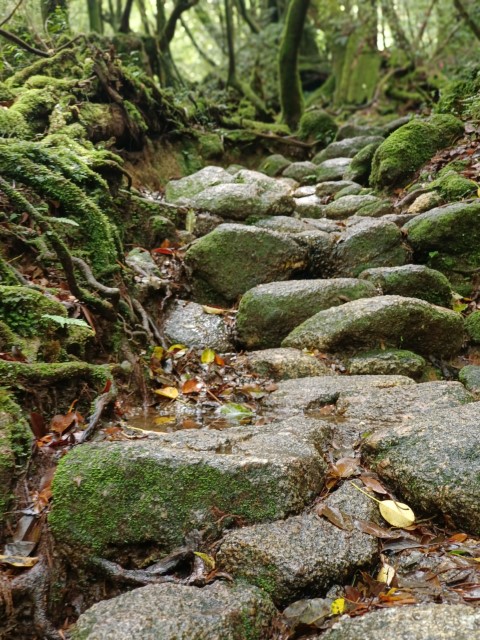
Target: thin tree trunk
[94, 8]
[290, 90]
[125, 19]
[470, 22]
[143, 15]
[195, 44]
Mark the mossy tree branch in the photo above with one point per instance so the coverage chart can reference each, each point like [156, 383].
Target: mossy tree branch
[63, 254]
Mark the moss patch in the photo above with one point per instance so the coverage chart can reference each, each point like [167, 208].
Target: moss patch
[408, 148]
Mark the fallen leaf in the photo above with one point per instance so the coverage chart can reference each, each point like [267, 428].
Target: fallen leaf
[345, 467]
[375, 530]
[208, 356]
[18, 561]
[458, 537]
[311, 612]
[164, 420]
[235, 411]
[386, 574]
[219, 360]
[192, 386]
[37, 424]
[60, 423]
[338, 607]
[158, 353]
[334, 515]
[168, 392]
[216, 311]
[373, 484]
[208, 561]
[396, 513]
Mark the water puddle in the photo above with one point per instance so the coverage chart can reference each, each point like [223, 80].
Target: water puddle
[151, 420]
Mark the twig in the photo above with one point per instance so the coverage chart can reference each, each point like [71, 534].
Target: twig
[100, 404]
[24, 45]
[12, 12]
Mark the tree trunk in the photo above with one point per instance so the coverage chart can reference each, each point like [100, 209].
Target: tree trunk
[125, 20]
[290, 90]
[94, 8]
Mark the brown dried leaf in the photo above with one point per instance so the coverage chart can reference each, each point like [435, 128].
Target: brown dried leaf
[375, 530]
[37, 424]
[335, 516]
[345, 467]
[373, 484]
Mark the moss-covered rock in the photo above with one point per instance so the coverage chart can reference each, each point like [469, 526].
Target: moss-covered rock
[408, 148]
[303, 172]
[469, 376]
[191, 185]
[472, 326]
[111, 494]
[274, 165]
[347, 148]
[448, 239]
[360, 205]
[269, 312]
[317, 126]
[234, 258]
[361, 165]
[333, 169]
[367, 244]
[412, 281]
[387, 362]
[15, 446]
[217, 612]
[389, 320]
[453, 187]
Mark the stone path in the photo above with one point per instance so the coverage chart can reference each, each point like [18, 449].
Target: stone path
[321, 265]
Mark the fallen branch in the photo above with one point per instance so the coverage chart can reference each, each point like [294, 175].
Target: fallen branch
[100, 404]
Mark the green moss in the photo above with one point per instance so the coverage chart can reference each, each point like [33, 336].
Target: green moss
[405, 150]
[6, 95]
[210, 145]
[22, 309]
[472, 325]
[15, 373]
[453, 187]
[58, 175]
[13, 125]
[318, 126]
[15, 446]
[360, 167]
[118, 495]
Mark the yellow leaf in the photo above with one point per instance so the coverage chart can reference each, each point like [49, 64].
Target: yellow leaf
[386, 574]
[168, 392]
[164, 419]
[177, 347]
[396, 513]
[338, 607]
[478, 192]
[158, 352]
[208, 561]
[18, 561]
[216, 311]
[208, 356]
